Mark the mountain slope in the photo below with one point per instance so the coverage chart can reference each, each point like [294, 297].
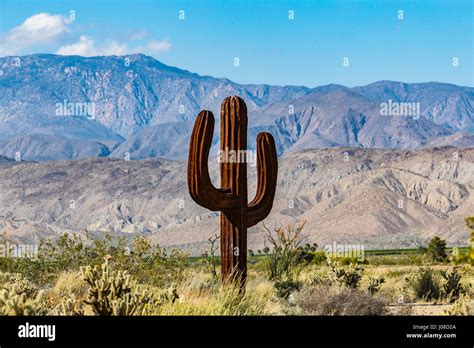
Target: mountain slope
[40, 147]
[445, 104]
[379, 198]
[135, 104]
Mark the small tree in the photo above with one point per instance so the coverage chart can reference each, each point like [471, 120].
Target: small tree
[437, 249]
[425, 284]
[285, 243]
[211, 259]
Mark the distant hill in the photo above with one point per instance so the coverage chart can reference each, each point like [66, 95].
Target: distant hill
[376, 197]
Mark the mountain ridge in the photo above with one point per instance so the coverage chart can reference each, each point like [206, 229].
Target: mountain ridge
[142, 106]
[380, 198]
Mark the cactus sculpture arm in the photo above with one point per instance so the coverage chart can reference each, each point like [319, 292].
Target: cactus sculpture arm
[236, 213]
[200, 186]
[267, 168]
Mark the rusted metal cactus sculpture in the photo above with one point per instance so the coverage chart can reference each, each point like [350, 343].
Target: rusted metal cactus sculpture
[231, 199]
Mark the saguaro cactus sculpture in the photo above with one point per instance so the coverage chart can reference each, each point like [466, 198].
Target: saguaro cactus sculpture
[231, 199]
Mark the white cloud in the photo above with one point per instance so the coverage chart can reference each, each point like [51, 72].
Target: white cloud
[158, 46]
[86, 46]
[138, 35]
[41, 28]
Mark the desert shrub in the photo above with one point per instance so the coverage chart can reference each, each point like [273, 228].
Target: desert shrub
[198, 281]
[437, 249]
[147, 263]
[425, 284]
[67, 252]
[286, 287]
[319, 258]
[349, 276]
[211, 260]
[281, 262]
[452, 287]
[347, 260]
[461, 306]
[374, 284]
[326, 300]
[70, 283]
[37, 271]
[154, 265]
[458, 257]
[314, 274]
[305, 254]
[67, 294]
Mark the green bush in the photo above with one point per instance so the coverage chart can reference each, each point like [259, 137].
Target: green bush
[319, 258]
[349, 276]
[305, 254]
[281, 262]
[437, 250]
[286, 287]
[452, 287]
[374, 284]
[425, 284]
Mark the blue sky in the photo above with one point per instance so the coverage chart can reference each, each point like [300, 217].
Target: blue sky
[271, 48]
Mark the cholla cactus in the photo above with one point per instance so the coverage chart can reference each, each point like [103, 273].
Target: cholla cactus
[15, 302]
[108, 289]
[374, 284]
[23, 284]
[114, 293]
[68, 308]
[349, 276]
[462, 306]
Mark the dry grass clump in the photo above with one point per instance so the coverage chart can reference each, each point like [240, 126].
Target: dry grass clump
[327, 300]
[221, 299]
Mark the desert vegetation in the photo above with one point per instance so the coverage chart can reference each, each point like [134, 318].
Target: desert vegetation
[73, 276]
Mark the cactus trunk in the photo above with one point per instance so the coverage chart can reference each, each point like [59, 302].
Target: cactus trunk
[233, 168]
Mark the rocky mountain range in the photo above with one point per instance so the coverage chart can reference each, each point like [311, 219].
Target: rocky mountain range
[386, 165]
[375, 197]
[70, 107]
